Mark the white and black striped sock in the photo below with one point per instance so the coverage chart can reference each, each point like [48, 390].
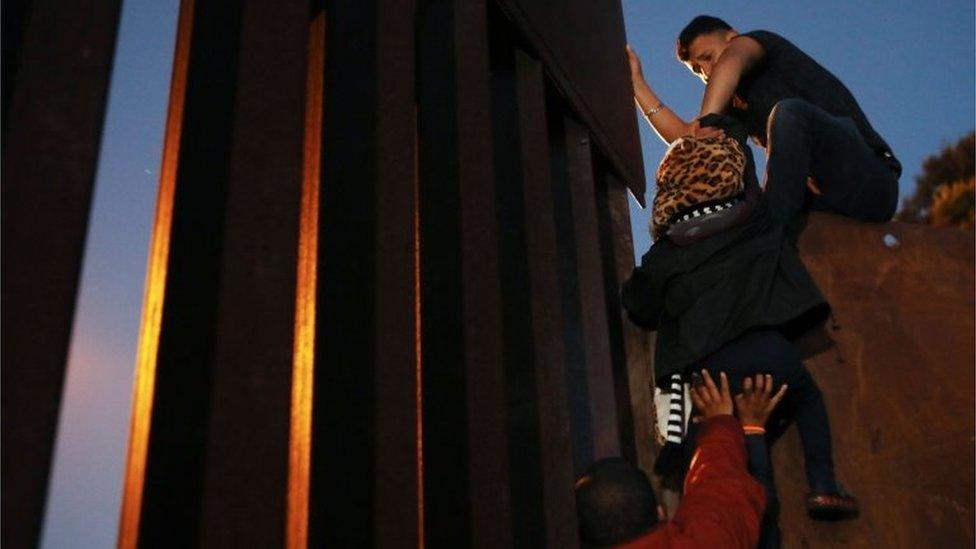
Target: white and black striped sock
[669, 458]
[676, 410]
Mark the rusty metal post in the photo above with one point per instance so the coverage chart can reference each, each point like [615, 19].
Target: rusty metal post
[209, 448]
[488, 451]
[365, 451]
[596, 432]
[432, 403]
[57, 60]
[631, 346]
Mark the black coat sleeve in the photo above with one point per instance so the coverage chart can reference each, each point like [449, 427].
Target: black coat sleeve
[642, 294]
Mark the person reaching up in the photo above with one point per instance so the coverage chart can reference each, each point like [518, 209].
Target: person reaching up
[722, 505]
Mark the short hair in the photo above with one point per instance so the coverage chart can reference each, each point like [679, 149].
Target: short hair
[703, 24]
[614, 503]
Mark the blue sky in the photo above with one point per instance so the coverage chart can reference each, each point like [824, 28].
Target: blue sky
[910, 64]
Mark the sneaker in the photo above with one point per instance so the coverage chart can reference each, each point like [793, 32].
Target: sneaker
[833, 506]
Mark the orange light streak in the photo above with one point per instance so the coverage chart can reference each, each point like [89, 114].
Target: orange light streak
[303, 361]
[155, 291]
[418, 378]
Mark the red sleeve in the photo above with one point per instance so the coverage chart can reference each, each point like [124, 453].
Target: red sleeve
[722, 504]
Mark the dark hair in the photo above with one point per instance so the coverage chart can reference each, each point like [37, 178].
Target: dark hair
[703, 24]
[614, 502]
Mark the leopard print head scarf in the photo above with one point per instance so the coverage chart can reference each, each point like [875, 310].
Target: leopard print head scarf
[696, 172]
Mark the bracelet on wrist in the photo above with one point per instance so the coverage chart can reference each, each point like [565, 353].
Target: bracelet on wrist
[655, 110]
[754, 429]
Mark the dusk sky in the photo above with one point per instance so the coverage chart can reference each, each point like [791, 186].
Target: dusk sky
[910, 64]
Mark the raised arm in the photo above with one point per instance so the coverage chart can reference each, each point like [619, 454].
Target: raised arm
[754, 405]
[668, 125]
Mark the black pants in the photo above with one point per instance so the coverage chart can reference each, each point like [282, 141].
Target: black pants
[768, 352]
[804, 140]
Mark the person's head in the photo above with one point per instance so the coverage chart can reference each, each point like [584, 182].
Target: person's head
[702, 42]
[614, 503]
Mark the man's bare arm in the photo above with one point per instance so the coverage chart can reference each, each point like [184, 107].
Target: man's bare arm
[739, 57]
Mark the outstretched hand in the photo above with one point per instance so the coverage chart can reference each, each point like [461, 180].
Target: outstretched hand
[710, 400]
[636, 72]
[757, 400]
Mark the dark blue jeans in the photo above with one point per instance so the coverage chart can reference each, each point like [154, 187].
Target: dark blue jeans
[804, 140]
[768, 352]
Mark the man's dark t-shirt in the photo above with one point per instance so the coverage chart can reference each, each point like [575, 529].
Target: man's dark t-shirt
[785, 72]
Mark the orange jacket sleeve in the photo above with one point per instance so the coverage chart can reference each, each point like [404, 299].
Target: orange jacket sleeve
[722, 504]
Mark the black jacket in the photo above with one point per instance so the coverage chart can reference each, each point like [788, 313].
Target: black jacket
[702, 296]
